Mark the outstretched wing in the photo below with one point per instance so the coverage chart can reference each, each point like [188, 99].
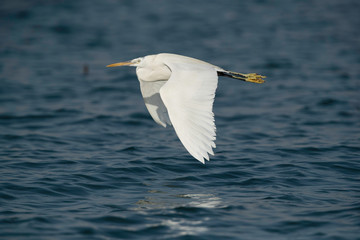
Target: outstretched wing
[189, 96]
[153, 102]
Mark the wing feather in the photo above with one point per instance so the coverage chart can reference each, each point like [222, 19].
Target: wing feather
[153, 102]
[189, 96]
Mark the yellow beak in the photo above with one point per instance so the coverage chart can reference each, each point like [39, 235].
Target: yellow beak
[119, 64]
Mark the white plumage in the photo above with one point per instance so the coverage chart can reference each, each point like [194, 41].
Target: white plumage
[180, 91]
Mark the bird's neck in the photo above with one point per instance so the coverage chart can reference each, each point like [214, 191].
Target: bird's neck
[151, 74]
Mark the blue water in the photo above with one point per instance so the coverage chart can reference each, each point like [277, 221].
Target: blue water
[82, 159]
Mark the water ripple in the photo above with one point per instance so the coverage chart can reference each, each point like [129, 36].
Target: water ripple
[82, 159]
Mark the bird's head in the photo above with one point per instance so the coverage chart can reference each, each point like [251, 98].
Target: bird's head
[135, 63]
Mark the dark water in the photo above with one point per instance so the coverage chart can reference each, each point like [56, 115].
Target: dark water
[82, 159]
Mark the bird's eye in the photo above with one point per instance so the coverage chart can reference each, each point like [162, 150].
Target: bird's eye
[136, 61]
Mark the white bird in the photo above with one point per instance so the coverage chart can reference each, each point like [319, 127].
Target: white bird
[180, 91]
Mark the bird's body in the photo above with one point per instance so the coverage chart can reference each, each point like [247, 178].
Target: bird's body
[180, 91]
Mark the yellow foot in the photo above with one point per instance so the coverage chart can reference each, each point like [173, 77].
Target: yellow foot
[249, 77]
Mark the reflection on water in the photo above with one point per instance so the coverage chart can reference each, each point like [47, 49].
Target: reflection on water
[204, 200]
[167, 200]
[180, 225]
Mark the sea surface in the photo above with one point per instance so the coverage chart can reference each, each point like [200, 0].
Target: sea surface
[81, 158]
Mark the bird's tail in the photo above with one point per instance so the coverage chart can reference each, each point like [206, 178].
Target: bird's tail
[249, 77]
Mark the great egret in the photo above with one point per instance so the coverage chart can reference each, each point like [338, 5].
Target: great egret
[180, 91]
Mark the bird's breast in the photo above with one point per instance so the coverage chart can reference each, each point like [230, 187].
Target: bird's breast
[151, 74]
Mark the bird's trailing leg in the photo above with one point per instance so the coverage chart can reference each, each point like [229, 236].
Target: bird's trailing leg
[249, 77]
